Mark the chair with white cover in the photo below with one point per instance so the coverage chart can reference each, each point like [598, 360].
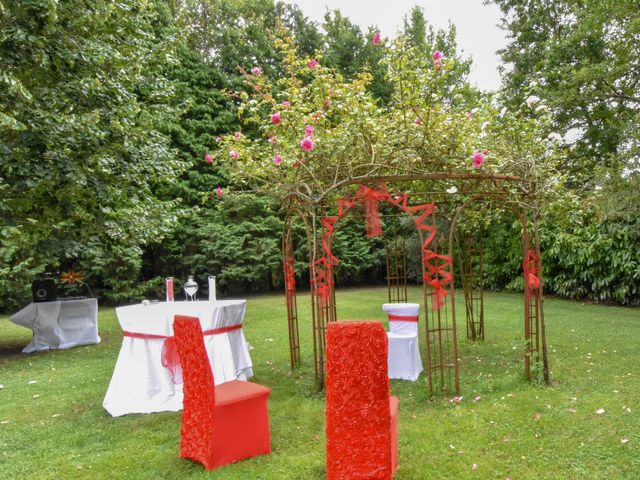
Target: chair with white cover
[404, 349]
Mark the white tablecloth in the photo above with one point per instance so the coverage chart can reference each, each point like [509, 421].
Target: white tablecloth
[59, 324]
[140, 384]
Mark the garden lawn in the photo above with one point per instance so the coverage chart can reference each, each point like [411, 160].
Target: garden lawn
[52, 424]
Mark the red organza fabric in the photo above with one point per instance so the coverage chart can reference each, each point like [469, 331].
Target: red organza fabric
[530, 270]
[437, 268]
[289, 274]
[361, 417]
[222, 424]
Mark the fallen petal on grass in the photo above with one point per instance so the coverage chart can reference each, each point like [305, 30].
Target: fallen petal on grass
[600, 411]
[31, 382]
[474, 466]
[624, 440]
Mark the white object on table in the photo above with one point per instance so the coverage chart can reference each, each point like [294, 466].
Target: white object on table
[59, 324]
[404, 359]
[140, 384]
[212, 288]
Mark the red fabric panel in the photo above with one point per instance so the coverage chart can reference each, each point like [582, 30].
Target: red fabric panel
[358, 410]
[223, 424]
[196, 434]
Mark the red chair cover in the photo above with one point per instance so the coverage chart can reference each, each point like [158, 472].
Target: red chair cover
[222, 424]
[362, 435]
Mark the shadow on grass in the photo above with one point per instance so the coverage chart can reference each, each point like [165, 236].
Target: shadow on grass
[11, 349]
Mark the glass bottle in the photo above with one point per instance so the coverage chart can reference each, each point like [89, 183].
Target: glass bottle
[190, 288]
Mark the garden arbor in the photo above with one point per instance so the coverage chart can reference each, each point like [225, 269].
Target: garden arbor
[441, 327]
[325, 147]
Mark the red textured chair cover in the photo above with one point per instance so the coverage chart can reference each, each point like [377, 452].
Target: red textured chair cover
[222, 424]
[362, 419]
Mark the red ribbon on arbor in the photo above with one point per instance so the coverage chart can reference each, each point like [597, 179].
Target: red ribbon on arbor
[434, 265]
[530, 270]
[289, 274]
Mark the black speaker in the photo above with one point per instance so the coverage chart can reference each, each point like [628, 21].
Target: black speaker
[43, 290]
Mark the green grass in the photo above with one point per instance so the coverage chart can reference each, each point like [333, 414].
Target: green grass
[56, 428]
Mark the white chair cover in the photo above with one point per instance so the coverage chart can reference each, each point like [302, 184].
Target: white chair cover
[404, 359]
[59, 324]
[141, 384]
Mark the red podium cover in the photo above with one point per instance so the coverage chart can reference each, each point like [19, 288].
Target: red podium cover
[362, 438]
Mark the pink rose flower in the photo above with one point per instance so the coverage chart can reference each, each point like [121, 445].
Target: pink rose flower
[233, 154]
[418, 121]
[313, 63]
[376, 38]
[219, 191]
[237, 135]
[277, 160]
[469, 115]
[437, 55]
[257, 71]
[275, 118]
[306, 143]
[272, 140]
[478, 159]
[437, 64]
[285, 103]
[208, 158]
[309, 130]
[218, 139]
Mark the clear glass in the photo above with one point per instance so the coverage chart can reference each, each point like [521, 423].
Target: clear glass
[190, 288]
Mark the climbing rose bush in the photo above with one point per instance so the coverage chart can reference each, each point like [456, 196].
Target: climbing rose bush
[317, 131]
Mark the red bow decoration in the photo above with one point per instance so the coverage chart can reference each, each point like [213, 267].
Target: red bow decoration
[370, 198]
[530, 270]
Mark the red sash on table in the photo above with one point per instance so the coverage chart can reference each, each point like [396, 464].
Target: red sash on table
[170, 359]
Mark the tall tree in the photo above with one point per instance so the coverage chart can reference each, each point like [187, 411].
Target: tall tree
[426, 40]
[82, 156]
[583, 59]
[225, 41]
